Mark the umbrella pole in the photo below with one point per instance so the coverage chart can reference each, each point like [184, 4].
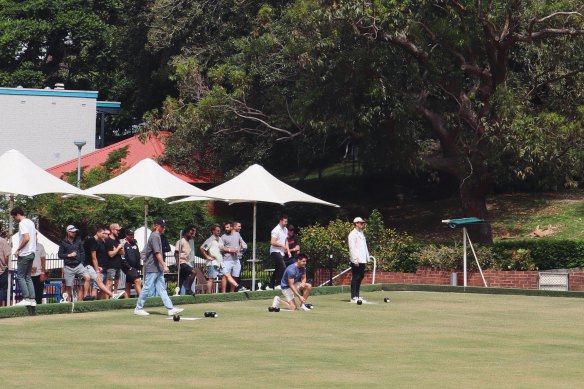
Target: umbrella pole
[10, 232]
[253, 263]
[145, 236]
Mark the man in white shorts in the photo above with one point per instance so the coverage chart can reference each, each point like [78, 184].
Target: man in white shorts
[211, 251]
[294, 285]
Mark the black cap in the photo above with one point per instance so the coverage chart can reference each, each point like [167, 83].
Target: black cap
[290, 227]
[160, 221]
[129, 231]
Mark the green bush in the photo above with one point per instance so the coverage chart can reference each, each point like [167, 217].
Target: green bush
[505, 255]
[540, 254]
[444, 257]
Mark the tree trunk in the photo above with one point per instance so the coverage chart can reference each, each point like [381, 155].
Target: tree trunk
[474, 204]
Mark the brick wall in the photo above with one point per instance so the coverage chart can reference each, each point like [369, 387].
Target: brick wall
[494, 278]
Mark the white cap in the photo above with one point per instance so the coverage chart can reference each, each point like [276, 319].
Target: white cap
[71, 228]
[358, 220]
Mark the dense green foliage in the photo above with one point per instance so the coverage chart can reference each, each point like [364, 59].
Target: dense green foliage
[490, 94]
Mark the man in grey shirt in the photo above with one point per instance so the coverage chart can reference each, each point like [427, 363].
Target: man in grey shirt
[231, 264]
[154, 268]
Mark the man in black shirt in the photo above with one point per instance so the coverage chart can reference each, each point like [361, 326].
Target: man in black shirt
[73, 255]
[131, 263]
[93, 246]
[115, 250]
[293, 244]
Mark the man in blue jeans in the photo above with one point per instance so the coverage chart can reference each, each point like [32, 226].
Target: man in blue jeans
[25, 254]
[154, 268]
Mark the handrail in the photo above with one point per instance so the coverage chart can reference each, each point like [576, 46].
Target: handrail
[346, 270]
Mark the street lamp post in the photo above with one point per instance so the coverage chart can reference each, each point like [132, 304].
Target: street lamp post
[79, 144]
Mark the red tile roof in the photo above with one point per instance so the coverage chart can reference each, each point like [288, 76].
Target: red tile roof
[153, 148]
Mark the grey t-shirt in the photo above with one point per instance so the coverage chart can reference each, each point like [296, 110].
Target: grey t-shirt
[231, 241]
[154, 245]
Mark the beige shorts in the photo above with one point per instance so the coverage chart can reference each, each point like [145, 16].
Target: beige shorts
[289, 294]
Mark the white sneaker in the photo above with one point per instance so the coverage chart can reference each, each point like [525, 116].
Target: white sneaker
[33, 303]
[354, 300]
[23, 303]
[240, 288]
[304, 308]
[174, 311]
[140, 312]
[117, 295]
[276, 301]
[277, 287]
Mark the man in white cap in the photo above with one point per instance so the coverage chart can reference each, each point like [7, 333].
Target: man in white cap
[359, 255]
[72, 253]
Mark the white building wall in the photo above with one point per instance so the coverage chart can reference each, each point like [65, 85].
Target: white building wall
[43, 127]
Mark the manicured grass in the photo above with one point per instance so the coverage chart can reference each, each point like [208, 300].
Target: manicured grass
[419, 339]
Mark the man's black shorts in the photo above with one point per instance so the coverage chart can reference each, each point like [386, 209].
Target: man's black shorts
[131, 275]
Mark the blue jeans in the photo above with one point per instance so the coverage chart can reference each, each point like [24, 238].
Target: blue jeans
[154, 281]
[23, 270]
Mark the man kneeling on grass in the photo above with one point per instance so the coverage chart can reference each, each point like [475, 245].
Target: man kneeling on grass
[294, 285]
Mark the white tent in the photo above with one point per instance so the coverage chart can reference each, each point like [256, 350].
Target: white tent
[254, 185]
[19, 175]
[51, 249]
[148, 179]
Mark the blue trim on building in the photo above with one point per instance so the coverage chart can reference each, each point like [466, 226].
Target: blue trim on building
[48, 92]
[108, 104]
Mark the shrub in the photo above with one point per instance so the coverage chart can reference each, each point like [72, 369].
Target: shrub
[540, 254]
[444, 257]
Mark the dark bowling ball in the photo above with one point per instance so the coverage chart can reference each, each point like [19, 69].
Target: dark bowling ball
[386, 300]
[270, 309]
[176, 317]
[359, 302]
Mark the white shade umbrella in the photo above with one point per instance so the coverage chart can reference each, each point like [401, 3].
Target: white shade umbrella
[148, 179]
[20, 176]
[254, 185]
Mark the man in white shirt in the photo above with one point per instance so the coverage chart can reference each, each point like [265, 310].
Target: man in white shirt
[359, 255]
[278, 249]
[25, 253]
[211, 251]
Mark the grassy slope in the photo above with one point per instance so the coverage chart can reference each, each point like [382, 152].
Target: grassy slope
[511, 215]
[418, 340]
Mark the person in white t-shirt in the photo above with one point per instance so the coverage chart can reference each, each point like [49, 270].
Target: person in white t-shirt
[25, 253]
[38, 272]
[359, 255]
[278, 249]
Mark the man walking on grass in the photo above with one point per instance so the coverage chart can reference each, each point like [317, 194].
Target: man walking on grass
[154, 268]
[231, 265]
[25, 253]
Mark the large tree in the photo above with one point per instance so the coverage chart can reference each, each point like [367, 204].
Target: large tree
[470, 62]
